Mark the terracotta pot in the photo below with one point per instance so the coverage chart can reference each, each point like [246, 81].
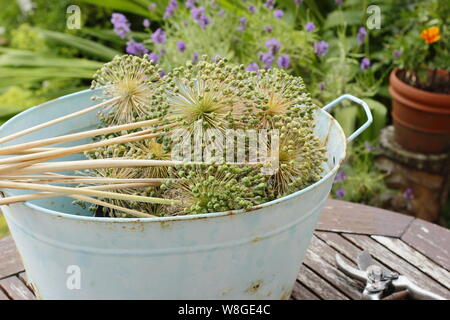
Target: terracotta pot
[421, 118]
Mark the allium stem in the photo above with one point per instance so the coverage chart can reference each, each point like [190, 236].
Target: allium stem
[72, 137]
[27, 160]
[57, 120]
[83, 191]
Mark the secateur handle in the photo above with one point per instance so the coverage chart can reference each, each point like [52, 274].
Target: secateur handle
[365, 106]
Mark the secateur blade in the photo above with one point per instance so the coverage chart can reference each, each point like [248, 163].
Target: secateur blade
[349, 270]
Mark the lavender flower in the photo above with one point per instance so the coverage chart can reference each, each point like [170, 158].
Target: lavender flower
[136, 48]
[361, 36]
[190, 4]
[181, 46]
[153, 57]
[278, 13]
[365, 64]
[268, 28]
[266, 58]
[162, 73]
[369, 146]
[146, 23]
[310, 27]
[270, 4]
[159, 36]
[253, 67]
[298, 2]
[339, 2]
[170, 9]
[152, 6]
[242, 24]
[284, 61]
[195, 58]
[408, 194]
[397, 54]
[340, 193]
[251, 9]
[341, 176]
[273, 45]
[199, 15]
[121, 24]
[321, 86]
[321, 48]
[221, 12]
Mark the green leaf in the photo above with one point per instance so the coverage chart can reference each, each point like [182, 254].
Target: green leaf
[341, 18]
[379, 113]
[129, 6]
[346, 116]
[92, 48]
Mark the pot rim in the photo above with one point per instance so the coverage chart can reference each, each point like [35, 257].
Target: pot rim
[254, 209]
[424, 93]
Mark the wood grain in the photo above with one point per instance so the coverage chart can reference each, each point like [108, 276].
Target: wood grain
[300, 292]
[342, 216]
[431, 240]
[16, 289]
[318, 285]
[10, 261]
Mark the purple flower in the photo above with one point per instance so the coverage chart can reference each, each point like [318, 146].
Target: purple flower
[253, 67]
[361, 36]
[146, 23]
[321, 48]
[251, 9]
[221, 12]
[408, 194]
[365, 64]
[340, 193]
[268, 28]
[267, 58]
[321, 86]
[298, 2]
[341, 176]
[270, 4]
[197, 12]
[190, 4]
[159, 36]
[181, 46]
[397, 54]
[162, 73]
[153, 57]
[136, 48]
[152, 6]
[273, 45]
[339, 2]
[195, 58]
[278, 13]
[199, 15]
[121, 24]
[284, 61]
[170, 9]
[310, 27]
[242, 24]
[369, 146]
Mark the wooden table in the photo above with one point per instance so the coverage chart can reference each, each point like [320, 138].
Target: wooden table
[412, 247]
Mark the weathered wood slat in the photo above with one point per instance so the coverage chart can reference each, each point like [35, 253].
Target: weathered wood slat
[394, 262]
[3, 296]
[342, 216]
[321, 258]
[16, 289]
[340, 244]
[10, 262]
[431, 240]
[300, 292]
[416, 258]
[318, 285]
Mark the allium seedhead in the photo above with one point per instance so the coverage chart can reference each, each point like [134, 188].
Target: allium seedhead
[130, 79]
[204, 189]
[150, 149]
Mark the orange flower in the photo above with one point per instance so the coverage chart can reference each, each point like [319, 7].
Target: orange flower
[431, 35]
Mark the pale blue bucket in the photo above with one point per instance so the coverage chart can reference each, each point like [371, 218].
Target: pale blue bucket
[68, 254]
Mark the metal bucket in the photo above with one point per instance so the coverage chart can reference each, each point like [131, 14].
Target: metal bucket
[68, 254]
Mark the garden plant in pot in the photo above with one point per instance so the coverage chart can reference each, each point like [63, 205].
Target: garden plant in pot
[420, 86]
[164, 206]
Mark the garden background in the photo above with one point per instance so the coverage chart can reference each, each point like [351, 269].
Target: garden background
[52, 48]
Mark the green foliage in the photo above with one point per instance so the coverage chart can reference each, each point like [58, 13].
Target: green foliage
[3, 227]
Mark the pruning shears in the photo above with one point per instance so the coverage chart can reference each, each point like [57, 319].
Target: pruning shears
[382, 283]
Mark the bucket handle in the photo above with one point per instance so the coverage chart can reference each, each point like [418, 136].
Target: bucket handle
[366, 108]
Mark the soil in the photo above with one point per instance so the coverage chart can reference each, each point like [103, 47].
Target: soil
[437, 81]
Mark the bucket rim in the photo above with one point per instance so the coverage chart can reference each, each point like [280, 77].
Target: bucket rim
[253, 210]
